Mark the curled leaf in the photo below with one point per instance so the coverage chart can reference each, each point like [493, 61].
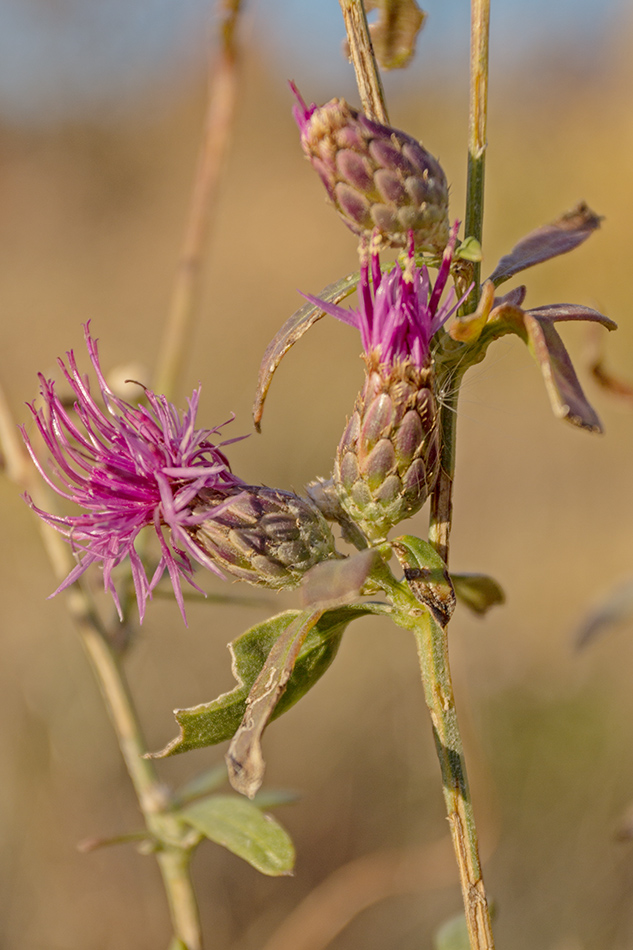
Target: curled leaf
[565, 392]
[244, 759]
[213, 722]
[292, 330]
[395, 32]
[426, 575]
[563, 235]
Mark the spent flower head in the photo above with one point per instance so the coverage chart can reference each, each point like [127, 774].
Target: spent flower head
[128, 467]
[401, 314]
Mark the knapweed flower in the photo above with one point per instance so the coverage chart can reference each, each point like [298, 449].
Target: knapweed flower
[128, 468]
[387, 461]
[378, 178]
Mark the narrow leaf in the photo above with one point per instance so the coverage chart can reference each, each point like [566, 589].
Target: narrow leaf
[565, 392]
[426, 575]
[243, 829]
[478, 592]
[216, 721]
[244, 759]
[557, 312]
[562, 235]
[292, 330]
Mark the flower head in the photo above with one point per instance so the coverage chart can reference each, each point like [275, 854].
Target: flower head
[378, 178]
[129, 467]
[398, 319]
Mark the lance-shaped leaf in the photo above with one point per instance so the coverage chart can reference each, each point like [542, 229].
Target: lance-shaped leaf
[478, 592]
[559, 237]
[216, 721]
[292, 330]
[426, 575]
[563, 388]
[243, 829]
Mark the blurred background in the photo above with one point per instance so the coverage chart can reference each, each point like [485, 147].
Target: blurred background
[101, 108]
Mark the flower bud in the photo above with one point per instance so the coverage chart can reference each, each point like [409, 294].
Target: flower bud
[378, 178]
[263, 535]
[387, 461]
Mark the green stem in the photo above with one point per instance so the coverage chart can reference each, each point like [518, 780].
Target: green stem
[432, 646]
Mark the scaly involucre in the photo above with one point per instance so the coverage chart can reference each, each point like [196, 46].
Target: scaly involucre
[129, 467]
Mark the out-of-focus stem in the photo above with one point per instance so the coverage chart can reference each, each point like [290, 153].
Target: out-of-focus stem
[173, 840]
[368, 79]
[216, 135]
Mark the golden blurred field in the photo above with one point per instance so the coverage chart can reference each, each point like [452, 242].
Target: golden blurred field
[90, 229]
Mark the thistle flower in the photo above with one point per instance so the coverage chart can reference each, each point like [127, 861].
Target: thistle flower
[387, 461]
[378, 178]
[128, 468]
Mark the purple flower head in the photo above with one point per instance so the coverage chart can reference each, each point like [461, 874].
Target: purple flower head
[400, 317]
[129, 468]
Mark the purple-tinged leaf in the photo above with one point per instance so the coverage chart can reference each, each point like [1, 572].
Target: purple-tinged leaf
[292, 330]
[558, 312]
[563, 235]
[566, 396]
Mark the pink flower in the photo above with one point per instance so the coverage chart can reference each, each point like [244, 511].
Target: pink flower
[400, 316]
[128, 468]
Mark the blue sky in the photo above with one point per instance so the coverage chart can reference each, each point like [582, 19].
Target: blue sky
[73, 57]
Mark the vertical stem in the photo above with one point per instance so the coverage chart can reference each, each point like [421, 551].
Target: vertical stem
[477, 125]
[432, 645]
[372, 95]
[215, 141]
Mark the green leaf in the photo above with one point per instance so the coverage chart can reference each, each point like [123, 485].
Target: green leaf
[469, 249]
[177, 944]
[478, 592]
[216, 721]
[426, 575]
[452, 935]
[243, 829]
